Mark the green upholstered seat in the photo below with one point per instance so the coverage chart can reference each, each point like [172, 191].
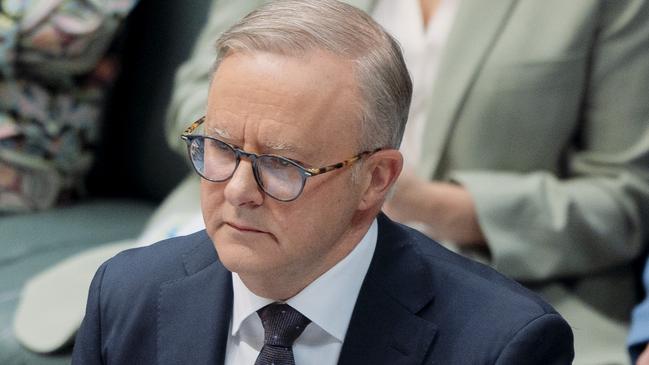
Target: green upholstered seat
[31, 243]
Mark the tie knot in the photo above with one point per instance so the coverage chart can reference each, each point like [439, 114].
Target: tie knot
[282, 324]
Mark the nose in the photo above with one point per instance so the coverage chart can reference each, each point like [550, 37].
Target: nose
[242, 188]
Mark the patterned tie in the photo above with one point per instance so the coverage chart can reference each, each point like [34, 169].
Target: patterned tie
[282, 325]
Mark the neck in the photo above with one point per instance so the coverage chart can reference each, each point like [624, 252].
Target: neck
[428, 8]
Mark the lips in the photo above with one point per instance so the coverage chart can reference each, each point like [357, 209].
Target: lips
[244, 228]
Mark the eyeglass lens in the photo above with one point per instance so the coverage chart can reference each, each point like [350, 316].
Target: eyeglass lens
[217, 161]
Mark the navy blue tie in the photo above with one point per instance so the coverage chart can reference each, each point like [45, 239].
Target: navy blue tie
[282, 325]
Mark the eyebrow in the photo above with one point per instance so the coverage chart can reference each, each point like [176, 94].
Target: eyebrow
[275, 146]
[219, 132]
[280, 146]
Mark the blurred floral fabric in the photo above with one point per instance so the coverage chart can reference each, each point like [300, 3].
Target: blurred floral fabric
[54, 73]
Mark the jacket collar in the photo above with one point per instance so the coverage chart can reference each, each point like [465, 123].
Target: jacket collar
[194, 311]
[477, 26]
[385, 327]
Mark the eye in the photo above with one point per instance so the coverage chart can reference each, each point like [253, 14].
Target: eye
[278, 162]
[223, 146]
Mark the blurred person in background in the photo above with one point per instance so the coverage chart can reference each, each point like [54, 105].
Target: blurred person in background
[55, 70]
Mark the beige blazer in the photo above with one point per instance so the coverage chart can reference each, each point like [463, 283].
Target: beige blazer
[541, 110]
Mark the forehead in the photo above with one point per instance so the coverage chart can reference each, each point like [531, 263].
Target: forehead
[264, 98]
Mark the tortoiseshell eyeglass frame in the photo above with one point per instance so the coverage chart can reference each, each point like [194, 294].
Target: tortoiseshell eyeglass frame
[306, 171]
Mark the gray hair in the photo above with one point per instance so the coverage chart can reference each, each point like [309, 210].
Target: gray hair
[295, 27]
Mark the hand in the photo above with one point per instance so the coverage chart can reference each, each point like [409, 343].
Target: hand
[643, 359]
[447, 210]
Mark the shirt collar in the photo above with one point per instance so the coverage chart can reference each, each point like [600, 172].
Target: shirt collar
[328, 301]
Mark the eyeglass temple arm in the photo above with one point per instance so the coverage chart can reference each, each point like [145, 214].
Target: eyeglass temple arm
[193, 127]
[322, 170]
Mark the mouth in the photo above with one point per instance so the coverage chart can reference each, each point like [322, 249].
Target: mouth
[243, 228]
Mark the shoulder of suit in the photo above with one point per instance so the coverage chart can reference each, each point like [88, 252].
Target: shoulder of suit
[460, 278]
[160, 262]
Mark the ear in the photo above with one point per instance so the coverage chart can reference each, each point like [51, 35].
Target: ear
[381, 171]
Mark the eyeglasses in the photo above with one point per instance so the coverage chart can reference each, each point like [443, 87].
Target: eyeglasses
[279, 177]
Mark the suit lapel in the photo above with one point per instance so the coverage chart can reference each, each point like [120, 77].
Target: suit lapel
[194, 311]
[478, 24]
[385, 327]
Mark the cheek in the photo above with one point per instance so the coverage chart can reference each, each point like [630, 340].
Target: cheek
[295, 224]
[211, 203]
[320, 214]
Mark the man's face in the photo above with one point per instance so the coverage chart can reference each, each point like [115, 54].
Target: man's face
[306, 109]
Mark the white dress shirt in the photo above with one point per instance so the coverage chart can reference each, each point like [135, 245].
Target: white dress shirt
[328, 302]
[422, 49]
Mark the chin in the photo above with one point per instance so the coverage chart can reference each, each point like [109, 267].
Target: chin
[232, 257]
[240, 257]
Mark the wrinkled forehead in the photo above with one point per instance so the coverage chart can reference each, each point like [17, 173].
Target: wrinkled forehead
[284, 101]
[277, 143]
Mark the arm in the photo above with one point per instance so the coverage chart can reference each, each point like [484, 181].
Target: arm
[192, 80]
[547, 340]
[447, 211]
[88, 345]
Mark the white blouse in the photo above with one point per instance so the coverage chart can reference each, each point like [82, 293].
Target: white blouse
[422, 49]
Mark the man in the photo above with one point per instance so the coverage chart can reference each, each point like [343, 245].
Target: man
[533, 150]
[297, 152]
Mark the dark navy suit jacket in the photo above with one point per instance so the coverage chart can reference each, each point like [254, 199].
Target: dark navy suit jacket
[171, 303]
